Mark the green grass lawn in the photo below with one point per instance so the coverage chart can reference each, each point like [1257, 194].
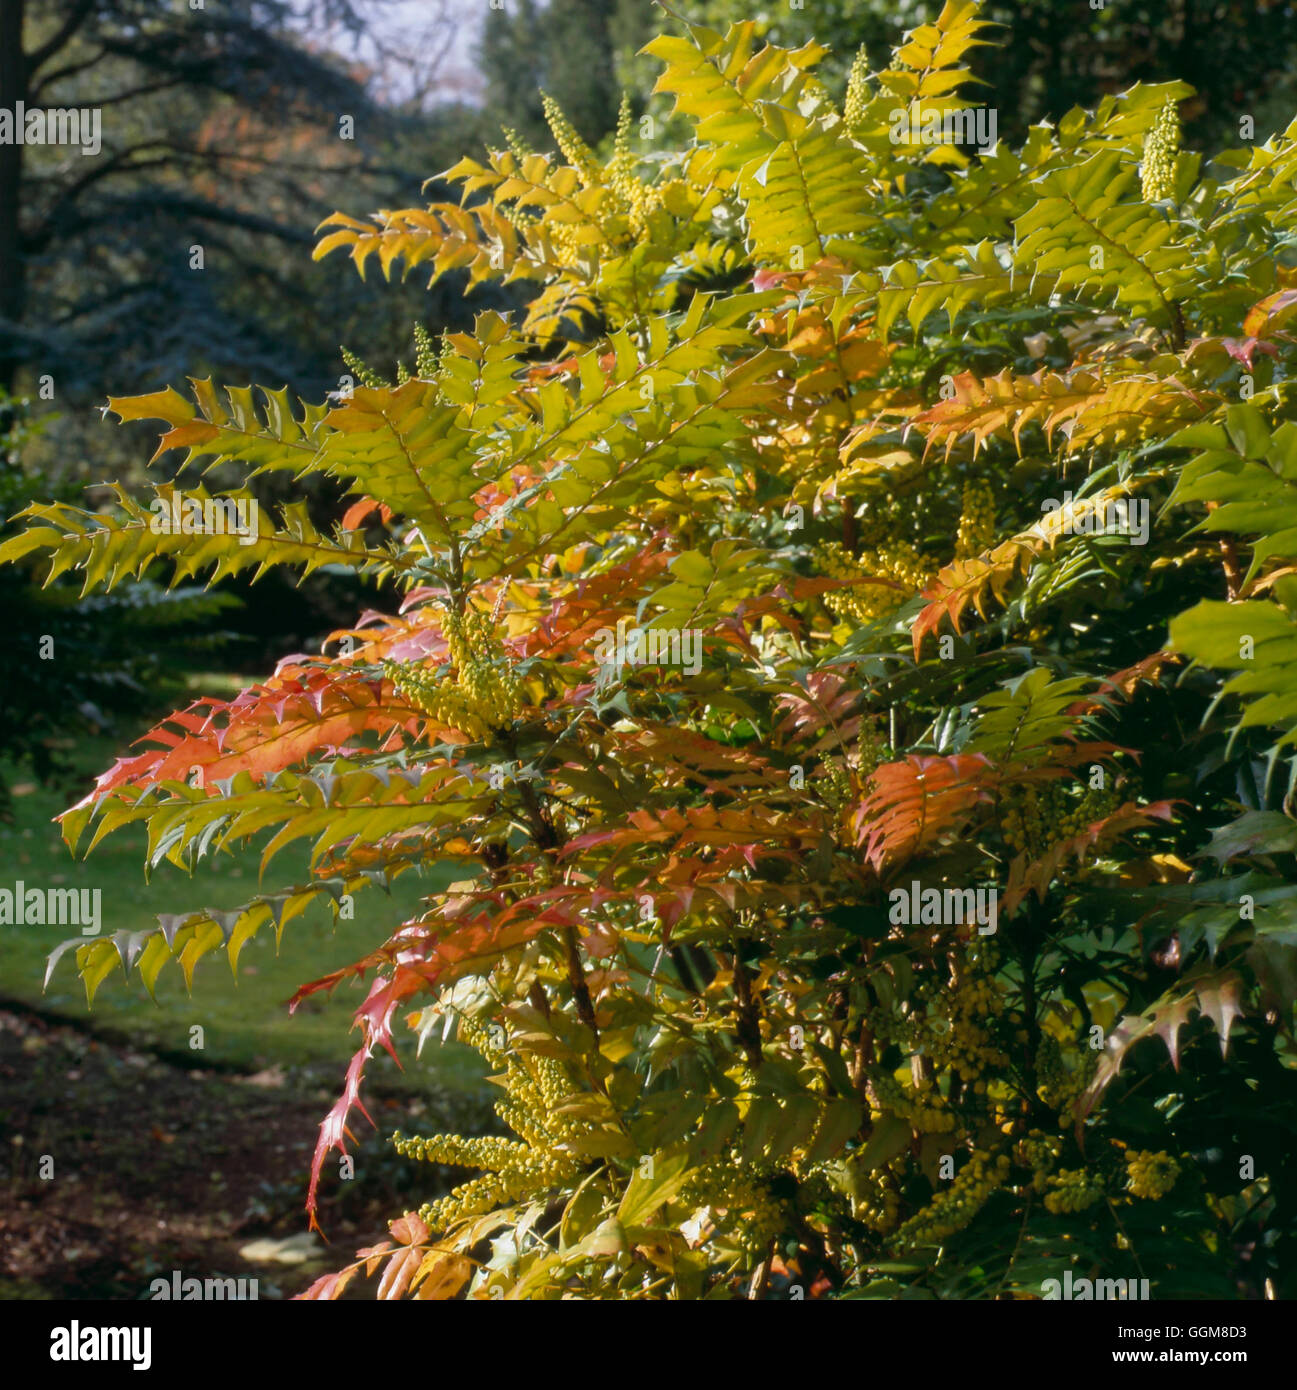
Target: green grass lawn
[244, 1020]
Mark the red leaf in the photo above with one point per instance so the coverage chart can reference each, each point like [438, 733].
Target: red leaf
[419, 962]
[1168, 1023]
[302, 711]
[824, 703]
[1243, 349]
[330, 1286]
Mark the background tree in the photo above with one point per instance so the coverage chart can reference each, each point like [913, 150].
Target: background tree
[179, 245]
[566, 49]
[182, 246]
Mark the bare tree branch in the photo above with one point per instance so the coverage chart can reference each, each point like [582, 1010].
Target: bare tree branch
[61, 37]
[68, 70]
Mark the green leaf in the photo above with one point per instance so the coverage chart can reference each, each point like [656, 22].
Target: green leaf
[645, 1195]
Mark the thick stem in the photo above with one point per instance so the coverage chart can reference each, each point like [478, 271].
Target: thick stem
[1178, 330]
[850, 531]
[547, 838]
[576, 978]
[748, 1023]
[495, 855]
[539, 999]
[13, 279]
[1230, 563]
[684, 969]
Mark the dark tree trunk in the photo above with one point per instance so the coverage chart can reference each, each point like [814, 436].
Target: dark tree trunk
[13, 89]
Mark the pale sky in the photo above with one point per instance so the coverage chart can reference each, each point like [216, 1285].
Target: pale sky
[418, 30]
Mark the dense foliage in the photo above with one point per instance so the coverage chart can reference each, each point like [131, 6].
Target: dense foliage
[1062, 53]
[846, 637]
[1057, 54]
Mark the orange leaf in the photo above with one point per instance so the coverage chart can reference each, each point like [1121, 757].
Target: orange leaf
[917, 801]
[1270, 313]
[358, 511]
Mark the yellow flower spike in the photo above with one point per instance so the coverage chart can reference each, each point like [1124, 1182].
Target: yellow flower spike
[857, 100]
[977, 520]
[1161, 151]
[575, 150]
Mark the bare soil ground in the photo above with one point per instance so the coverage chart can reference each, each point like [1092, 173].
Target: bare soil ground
[159, 1166]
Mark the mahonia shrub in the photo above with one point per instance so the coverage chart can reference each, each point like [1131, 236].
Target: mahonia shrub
[846, 635]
